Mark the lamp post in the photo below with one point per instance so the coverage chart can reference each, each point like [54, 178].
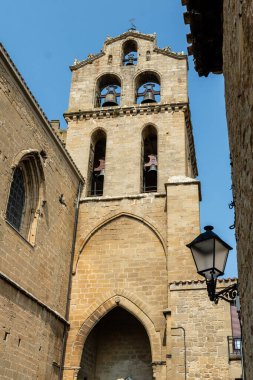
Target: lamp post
[210, 254]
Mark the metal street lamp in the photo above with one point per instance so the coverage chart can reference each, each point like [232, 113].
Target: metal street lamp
[210, 254]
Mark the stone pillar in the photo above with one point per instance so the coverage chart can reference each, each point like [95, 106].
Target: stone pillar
[183, 195]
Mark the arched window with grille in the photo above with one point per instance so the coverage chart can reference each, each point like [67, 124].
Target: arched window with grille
[97, 164]
[25, 195]
[149, 159]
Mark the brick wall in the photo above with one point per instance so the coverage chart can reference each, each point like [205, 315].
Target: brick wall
[238, 63]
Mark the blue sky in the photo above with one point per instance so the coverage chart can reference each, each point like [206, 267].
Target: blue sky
[44, 36]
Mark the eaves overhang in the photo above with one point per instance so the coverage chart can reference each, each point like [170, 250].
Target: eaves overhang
[205, 18]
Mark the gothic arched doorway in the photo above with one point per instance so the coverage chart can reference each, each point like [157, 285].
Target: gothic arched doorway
[118, 347]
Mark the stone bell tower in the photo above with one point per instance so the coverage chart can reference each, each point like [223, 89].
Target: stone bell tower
[129, 132]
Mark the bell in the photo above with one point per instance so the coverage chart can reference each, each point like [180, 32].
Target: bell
[130, 60]
[101, 173]
[100, 170]
[152, 168]
[152, 164]
[110, 97]
[149, 96]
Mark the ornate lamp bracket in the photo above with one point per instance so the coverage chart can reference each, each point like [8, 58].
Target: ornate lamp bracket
[228, 294]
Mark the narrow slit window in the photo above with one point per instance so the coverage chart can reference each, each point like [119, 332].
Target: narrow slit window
[97, 164]
[149, 159]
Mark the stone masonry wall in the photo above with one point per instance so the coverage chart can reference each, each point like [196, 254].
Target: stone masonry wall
[123, 250]
[42, 269]
[238, 63]
[123, 148]
[123, 257]
[30, 338]
[206, 327]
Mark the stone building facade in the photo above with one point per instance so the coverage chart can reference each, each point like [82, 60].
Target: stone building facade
[229, 50]
[96, 280]
[39, 186]
[137, 308]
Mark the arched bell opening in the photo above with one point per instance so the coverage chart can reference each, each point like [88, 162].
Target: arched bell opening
[149, 159]
[147, 88]
[118, 347]
[130, 55]
[97, 163]
[108, 91]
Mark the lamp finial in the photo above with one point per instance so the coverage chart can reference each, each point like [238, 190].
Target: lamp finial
[208, 228]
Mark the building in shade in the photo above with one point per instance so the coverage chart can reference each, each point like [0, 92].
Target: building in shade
[221, 42]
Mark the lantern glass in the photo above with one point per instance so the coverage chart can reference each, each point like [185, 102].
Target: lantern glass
[210, 253]
[221, 255]
[203, 254]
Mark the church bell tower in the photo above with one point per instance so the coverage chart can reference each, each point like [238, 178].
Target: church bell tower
[130, 134]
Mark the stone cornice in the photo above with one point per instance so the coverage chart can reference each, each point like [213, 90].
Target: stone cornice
[119, 198]
[171, 54]
[183, 180]
[86, 61]
[199, 284]
[32, 298]
[131, 33]
[139, 109]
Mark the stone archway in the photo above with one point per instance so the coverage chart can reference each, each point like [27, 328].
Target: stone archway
[99, 312]
[118, 347]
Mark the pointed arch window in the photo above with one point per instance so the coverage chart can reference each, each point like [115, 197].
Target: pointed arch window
[97, 164]
[130, 55]
[108, 91]
[149, 159]
[25, 196]
[16, 202]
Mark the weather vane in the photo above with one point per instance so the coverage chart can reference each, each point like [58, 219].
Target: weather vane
[132, 22]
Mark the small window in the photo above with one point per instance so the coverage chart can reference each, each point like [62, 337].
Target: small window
[147, 88]
[24, 196]
[108, 91]
[130, 53]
